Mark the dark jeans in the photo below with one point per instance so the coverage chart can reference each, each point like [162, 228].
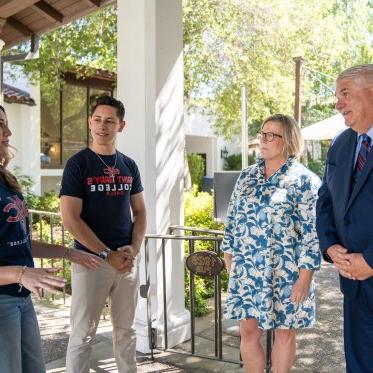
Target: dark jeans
[20, 343]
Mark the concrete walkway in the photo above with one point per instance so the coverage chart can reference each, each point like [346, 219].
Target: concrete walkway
[320, 350]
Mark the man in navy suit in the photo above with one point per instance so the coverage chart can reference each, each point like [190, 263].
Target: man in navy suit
[345, 213]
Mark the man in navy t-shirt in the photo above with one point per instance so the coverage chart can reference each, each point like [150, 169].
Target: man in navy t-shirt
[102, 205]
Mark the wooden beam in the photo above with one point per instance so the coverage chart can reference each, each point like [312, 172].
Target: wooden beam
[20, 27]
[2, 23]
[48, 11]
[9, 8]
[95, 3]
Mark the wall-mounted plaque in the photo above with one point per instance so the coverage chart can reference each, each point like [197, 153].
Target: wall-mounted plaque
[204, 263]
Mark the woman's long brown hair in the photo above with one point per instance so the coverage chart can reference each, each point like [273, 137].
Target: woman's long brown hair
[5, 175]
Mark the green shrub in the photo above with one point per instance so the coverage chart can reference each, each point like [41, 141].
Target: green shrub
[316, 166]
[196, 169]
[25, 181]
[234, 162]
[49, 201]
[198, 211]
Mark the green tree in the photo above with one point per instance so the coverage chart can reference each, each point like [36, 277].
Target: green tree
[228, 44]
[80, 46]
[231, 43]
[234, 162]
[196, 168]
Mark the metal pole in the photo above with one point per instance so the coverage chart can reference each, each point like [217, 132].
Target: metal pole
[165, 328]
[298, 102]
[269, 340]
[192, 304]
[244, 128]
[152, 342]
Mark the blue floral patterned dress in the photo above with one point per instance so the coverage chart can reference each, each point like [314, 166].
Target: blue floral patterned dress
[270, 232]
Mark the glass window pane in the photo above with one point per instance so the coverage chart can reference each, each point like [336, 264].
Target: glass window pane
[50, 136]
[94, 93]
[74, 120]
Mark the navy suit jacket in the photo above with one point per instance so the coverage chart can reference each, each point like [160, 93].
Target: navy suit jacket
[345, 217]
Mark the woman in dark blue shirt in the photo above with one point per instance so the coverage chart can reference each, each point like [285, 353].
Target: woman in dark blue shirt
[20, 343]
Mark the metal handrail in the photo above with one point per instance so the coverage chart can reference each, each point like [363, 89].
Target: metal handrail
[191, 229]
[214, 236]
[48, 213]
[217, 285]
[183, 238]
[50, 216]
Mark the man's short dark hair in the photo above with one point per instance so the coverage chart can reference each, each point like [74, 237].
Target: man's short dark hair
[110, 101]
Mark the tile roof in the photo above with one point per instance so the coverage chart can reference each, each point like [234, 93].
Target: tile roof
[17, 96]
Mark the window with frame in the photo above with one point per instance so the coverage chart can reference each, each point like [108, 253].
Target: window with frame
[64, 119]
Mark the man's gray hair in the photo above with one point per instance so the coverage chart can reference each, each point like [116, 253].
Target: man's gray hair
[359, 71]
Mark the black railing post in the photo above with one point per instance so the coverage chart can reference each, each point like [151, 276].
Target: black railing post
[218, 293]
[165, 329]
[52, 242]
[269, 340]
[191, 302]
[148, 300]
[64, 262]
[41, 239]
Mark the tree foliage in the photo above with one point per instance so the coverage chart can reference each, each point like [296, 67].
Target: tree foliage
[231, 43]
[80, 46]
[196, 168]
[228, 44]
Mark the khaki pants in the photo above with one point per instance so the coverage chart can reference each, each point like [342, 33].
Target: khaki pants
[90, 289]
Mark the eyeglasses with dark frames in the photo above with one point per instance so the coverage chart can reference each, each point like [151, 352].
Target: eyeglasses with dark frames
[268, 136]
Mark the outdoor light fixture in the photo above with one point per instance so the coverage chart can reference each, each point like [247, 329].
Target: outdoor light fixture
[224, 153]
[2, 43]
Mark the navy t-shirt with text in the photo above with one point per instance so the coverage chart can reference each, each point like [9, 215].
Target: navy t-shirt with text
[105, 191]
[15, 240]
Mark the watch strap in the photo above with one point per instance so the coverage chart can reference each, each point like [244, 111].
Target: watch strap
[104, 253]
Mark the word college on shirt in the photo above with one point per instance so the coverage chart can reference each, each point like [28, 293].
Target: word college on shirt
[112, 186]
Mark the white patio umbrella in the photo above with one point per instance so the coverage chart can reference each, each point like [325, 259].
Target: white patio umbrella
[326, 129]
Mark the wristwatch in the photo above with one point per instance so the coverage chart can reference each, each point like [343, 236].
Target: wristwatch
[104, 253]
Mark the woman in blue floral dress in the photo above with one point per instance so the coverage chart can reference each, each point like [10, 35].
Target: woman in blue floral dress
[271, 247]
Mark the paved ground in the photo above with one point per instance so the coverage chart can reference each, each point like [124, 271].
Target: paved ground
[320, 350]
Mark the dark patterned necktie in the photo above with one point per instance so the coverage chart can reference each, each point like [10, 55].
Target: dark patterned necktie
[365, 147]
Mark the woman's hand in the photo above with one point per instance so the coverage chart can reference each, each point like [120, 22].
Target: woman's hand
[35, 279]
[301, 287]
[87, 260]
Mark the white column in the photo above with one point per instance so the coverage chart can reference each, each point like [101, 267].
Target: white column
[24, 122]
[31, 141]
[150, 83]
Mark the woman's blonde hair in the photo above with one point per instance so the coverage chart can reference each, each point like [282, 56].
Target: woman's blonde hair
[292, 134]
[5, 175]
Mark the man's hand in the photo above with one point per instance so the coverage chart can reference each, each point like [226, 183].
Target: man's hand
[301, 287]
[122, 261]
[129, 249]
[87, 260]
[337, 255]
[357, 268]
[336, 252]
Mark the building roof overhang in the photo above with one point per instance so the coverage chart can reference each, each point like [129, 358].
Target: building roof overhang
[13, 95]
[21, 19]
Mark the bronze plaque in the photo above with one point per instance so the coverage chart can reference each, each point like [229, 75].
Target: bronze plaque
[204, 263]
